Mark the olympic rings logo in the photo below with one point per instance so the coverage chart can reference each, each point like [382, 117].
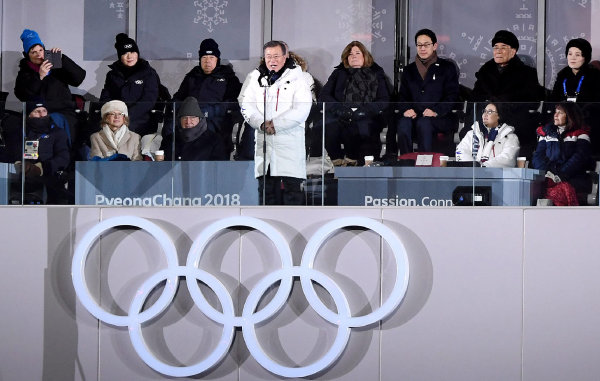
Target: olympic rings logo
[249, 317]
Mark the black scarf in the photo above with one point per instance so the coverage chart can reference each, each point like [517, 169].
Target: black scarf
[187, 135]
[39, 125]
[361, 86]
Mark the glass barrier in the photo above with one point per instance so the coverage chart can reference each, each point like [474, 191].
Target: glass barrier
[375, 154]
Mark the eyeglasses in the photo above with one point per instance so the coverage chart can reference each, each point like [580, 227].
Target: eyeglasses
[419, 46]
[489, 112]
[276, 57]
[115, 114]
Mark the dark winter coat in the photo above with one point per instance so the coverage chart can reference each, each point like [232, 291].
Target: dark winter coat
[334, 90]
[590, 86]
[138, 88]
[53, 89]
[517, 82]
[568, 155]
[54, 153]
[207, 147]
[216, 93]
[438, 91]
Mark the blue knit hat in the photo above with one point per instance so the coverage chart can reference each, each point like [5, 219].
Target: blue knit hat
[30, 38]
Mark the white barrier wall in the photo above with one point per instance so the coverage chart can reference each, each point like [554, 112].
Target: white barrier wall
[494, 294]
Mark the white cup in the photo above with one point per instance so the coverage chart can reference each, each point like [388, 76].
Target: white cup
[369, 160]
[521, 162]
[159, 155]
[443, 161]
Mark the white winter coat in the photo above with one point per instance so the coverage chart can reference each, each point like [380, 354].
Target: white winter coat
[502, 152]
[288, 104]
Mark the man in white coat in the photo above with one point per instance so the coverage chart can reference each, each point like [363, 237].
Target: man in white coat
[279, 83]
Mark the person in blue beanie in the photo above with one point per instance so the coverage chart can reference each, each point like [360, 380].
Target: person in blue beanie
[38, 79]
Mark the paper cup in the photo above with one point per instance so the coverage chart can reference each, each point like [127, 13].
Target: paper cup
[443, 161]
[369, 160]
[521, 162]
[159, 155]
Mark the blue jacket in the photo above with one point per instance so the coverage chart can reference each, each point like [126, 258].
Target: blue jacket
[438, 91]
[567, 155]
[54, 152]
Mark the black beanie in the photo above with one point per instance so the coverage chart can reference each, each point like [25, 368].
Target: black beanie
[190, 107]
[125, 44]
[584, 46]
[33, 104]
[209, 47]
[506, 37]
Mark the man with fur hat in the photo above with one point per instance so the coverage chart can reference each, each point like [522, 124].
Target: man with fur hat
[279, 129]
[193, 140]
[37, 79]
[505, 78]
[133, 81]
[216, 88]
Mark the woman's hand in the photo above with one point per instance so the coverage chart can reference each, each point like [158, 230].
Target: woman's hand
[45, 69]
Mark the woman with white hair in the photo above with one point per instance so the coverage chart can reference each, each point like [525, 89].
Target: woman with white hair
[115, 137]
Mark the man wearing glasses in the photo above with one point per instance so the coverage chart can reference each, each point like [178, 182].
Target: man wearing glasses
[275, 101]
[428, 90]
[505, 78]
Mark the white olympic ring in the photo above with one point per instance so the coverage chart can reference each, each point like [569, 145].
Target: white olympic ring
[249, 318]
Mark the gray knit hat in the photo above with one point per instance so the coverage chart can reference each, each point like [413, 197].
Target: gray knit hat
[190, 107]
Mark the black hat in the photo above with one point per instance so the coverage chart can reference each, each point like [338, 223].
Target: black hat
[506, 37]
[209, 47]
[583, 45]
[33, 104]
[190, 107]
[125, 44]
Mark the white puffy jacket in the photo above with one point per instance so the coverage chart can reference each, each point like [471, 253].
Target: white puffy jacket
[502, 152]
[288, 104]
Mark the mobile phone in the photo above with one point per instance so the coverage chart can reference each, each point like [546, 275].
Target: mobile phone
[54, 58]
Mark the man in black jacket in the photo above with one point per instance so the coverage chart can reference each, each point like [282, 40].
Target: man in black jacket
[193, 140]
[505, 78]
[428, 92]
[216, 87]
[45, 156]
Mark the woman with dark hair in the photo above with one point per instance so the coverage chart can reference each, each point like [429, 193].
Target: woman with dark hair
[492, 144]
[357, 93]
[578, 81]
[564, 152]
[133, 81]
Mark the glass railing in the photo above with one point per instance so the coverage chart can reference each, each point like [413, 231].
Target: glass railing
[375, 154]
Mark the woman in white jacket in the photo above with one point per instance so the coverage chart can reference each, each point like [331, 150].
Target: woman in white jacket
[491, 144]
